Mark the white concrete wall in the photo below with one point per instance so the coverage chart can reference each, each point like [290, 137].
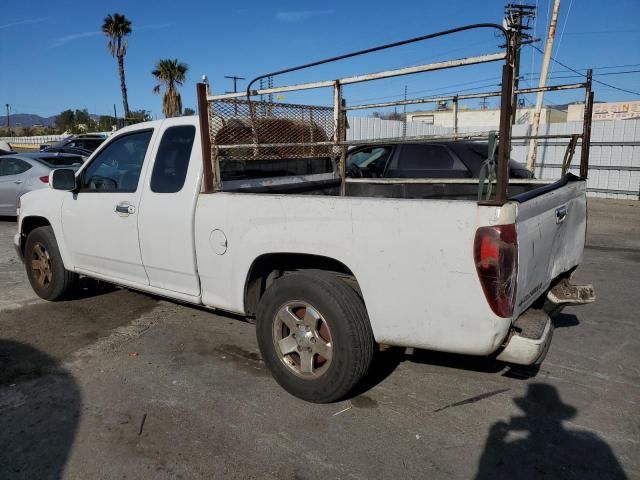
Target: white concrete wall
[482, 118]
[35, 140]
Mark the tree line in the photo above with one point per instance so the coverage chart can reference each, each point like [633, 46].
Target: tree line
[76, 121]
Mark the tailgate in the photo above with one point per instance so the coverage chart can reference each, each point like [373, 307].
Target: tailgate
[551, 230]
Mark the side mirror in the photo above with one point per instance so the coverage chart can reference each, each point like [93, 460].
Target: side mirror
[64, 179]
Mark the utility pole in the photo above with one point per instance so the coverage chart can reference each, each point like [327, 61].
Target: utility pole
[517, 19]
[455, 115]
[531, 157]
[235, 81]
[270, 96]
[235, 90]
[9, 121]
[404, 116]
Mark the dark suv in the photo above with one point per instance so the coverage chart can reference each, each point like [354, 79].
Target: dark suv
[424, 160]
[83, 145]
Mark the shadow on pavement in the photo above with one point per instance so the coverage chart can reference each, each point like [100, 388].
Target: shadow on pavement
[388, 360]
[564, 320]
[537, 445]
[385, 363]
[39, 411]
[89, 287]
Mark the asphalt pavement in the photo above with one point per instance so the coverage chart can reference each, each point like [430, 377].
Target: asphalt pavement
[118, 384]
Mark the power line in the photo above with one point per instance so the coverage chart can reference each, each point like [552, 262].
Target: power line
[616, 73]
[602, 32]
[617, 66]
[535, 24]
[604, 74]
[428, 90]
[594, 80]
[564, 25]
[532, 75]
[606, 67]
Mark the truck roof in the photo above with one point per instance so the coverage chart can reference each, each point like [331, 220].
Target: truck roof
[188, 120]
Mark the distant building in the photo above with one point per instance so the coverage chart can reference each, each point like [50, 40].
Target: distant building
[606, 111]
[483, 118]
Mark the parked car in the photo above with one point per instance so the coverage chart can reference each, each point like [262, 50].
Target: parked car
[85, 154]
[325, 275]
[424, 160]
[5, 148]
[83, 144]
[21, 173]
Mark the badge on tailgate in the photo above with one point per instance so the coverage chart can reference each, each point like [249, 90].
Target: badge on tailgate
[561, 214]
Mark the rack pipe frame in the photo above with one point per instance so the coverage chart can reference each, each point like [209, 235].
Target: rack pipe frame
[507, 94]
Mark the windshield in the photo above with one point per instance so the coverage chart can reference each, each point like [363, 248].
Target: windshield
[65, 161]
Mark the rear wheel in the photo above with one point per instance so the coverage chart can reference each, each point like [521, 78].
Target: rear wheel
[314, 335]
[45, 270]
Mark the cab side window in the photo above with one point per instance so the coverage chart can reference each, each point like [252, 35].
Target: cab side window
[117, 168]
[371, 161]
[172, 159]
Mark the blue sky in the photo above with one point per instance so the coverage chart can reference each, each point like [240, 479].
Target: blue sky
[54, 56]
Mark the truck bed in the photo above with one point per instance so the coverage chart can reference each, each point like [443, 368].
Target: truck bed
[328, 184]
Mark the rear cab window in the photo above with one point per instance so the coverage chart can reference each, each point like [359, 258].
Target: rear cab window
[172, 159]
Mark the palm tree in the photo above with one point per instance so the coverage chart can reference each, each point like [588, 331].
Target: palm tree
[116, 27]
[170, 73]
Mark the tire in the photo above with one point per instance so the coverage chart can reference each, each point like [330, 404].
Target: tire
[307, 313]
[45, 270]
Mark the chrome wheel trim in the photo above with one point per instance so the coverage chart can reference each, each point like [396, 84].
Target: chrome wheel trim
[41, 265]
[302, 339]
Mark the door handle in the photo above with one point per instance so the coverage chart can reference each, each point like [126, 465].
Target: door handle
[18, 182]
[561, 214]
[125, 209]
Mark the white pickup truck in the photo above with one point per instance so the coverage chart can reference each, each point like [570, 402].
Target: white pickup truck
[248, 209]
[327, 277]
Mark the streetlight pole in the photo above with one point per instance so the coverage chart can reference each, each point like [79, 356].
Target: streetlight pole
[9, 120]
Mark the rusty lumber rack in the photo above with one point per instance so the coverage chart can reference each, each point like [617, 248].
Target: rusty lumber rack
[257, 122]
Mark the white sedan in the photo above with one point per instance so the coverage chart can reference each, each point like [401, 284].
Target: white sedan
[23, 172]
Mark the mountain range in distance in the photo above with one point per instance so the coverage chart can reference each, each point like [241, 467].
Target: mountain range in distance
[32, 120]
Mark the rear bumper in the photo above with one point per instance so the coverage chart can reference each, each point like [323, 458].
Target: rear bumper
[530, 336]
[529, 339]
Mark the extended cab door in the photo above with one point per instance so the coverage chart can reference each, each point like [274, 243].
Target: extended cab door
[100, 221]
[167, 210]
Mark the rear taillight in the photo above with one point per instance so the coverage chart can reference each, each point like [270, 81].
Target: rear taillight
[45, 179]
[495, 252]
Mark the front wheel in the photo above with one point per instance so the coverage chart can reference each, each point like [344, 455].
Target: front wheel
[45, 270]
[314, 335]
